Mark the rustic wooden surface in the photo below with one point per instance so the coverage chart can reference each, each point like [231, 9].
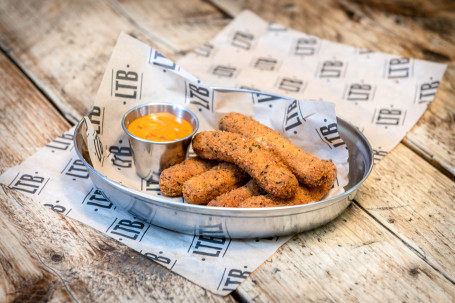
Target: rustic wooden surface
[395, 243]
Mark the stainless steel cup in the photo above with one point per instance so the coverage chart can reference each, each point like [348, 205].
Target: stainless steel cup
[151, 157]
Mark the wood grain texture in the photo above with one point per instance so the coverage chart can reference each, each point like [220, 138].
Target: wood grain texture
[64, 46]
[412, 199]
[183, 26]
[47, 257]
[26, 278]
[433, 137]
[351, 259]
[418, 29]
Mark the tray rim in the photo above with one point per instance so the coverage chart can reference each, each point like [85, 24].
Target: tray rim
[244, 212]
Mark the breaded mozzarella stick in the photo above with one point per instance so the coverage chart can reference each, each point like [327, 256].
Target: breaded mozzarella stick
[261, 164]
[308, 169]
[303, 195]
[172, 178]
[218, 180]
[234, 197]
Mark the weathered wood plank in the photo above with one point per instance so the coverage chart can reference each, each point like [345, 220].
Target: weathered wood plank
[419, 29]
[433, 137]
[17, 263]
[45, 256]
[182, 25]
[412, 199]
[352, 259]
[64, 46]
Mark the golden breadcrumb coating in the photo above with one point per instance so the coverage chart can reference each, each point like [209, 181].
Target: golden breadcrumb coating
[218, 180]
[172, 178]
[303, 195]
[262, 165]
[308, 169]
[234, 197]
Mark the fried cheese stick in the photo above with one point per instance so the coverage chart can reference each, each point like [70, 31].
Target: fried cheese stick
[261, 164]
[172, 178]
[303, 195]
[234, 197]
[308, 169]
[218, 180]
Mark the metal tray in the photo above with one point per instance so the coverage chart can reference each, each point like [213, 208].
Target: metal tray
[237, 222]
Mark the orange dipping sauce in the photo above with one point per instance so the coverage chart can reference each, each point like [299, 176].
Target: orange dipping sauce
[160, 127]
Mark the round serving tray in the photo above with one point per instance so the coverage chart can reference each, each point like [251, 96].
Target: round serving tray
[236, 222]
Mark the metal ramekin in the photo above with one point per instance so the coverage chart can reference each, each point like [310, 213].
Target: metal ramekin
[151, 157]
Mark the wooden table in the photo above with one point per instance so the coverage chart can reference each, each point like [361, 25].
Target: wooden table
[394, 243]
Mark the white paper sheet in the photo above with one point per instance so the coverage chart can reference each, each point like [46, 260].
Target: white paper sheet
[383, 95]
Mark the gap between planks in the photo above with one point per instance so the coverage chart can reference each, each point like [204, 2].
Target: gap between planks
[422, 153]
[67, 116]
[221, 9]
[408, 245]
[122, 12]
